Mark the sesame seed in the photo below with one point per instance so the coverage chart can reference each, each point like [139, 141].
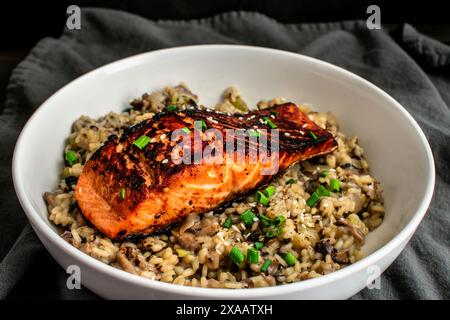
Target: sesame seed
[240, 118]
[163, 136]
[272, 116]
[287, 134]
[304, 125]
[210, 119]
[165, 161]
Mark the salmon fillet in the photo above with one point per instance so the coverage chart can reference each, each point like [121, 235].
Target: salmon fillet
[127, 192]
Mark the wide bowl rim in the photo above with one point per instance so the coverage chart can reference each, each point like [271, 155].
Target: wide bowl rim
[43, 228]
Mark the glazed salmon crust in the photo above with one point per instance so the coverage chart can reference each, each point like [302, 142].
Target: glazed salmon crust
[127, 191]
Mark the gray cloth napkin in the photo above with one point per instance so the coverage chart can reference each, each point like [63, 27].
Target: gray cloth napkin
[413, 68]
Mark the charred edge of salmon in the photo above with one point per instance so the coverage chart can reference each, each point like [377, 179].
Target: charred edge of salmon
[226, 121]
[134, 237]
[143, 234]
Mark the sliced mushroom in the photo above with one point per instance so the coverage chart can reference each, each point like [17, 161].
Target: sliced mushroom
[340, 256]
[50, 199]
[67, 235]
[324, 247]
[356, 232]
[124, 258]
[187, 240]
[208, 227]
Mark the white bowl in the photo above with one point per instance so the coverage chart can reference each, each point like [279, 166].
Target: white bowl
[396, 147]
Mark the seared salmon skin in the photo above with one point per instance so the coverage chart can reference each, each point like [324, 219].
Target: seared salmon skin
[136, 184]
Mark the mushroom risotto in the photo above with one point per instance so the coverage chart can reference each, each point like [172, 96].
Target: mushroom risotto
[310, 221]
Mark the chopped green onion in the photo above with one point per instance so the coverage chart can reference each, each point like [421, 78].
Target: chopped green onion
[262, 198]
[253, 133]
[269, 191]
[313, 199]
[278, 220]
[266, 265]
[265, 220]
[247, 217]
[322, 191]
[290, 181]
[312, 135]
[142, 142]
[273, 232]
[186, 130]
[227, 223]
[259, 245]
[335, 185]
[252, 255]
[200, 125]
[171, 108]
[325, 173]
[122, 193]
[274, 113]
[269, 123]
[290, 259]
[71, 157]
[204, 126]
[236, 255]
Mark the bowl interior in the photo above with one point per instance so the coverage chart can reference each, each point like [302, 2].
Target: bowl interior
[393, 143]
